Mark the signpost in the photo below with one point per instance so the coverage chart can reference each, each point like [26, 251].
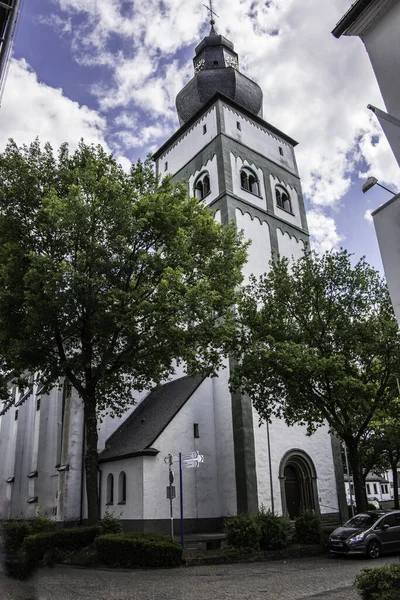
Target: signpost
[188, 460]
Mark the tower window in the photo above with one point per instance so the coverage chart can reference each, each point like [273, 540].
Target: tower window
[38, 404]
[215, 62]
[110, 489]
[281, 150]
[249, 181]
[283, 199]
[16, 416]
[204, 129]
[202, 185]
[166, 166]
[239, 125]
[196, 433]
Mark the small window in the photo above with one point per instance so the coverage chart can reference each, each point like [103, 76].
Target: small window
[122, 488]
[38, 404]
[110, 489]
[16, 416]
[375, 488]
[368, 489]
[283, 199]
[281, 150]
[215, 62]
[196, 433]
[204, 129]
[239, 125]
[202, 186]
[384, 488]
[249, 181]
[166, 166]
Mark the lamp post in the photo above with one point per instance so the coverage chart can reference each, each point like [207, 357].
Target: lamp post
[371, 181]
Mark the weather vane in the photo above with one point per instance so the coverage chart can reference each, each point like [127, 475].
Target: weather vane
[212, 12]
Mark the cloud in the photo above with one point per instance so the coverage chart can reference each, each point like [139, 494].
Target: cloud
[368, 216]
[31, 109]
[324, 235]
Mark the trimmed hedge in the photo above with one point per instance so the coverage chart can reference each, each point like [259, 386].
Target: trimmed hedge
[382, 583]
[65, 540]
[138, 550]
[15, 532]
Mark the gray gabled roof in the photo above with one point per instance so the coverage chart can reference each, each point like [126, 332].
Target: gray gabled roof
[140, 430]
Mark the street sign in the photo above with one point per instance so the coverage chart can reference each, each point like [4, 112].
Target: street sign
[193, 462]
[190, 455]
[171, 492]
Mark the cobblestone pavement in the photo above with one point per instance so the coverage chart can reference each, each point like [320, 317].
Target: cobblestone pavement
[320, 578]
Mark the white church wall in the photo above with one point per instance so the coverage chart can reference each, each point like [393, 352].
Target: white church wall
[8, 436]
[236, 166]
[200, 486]
[225, 451]
[189, 144]
[212, 168]
[289, 246]
[283, 439]
[295, 218]
[258, 138]
[70, 481]
[133, 507]
[259, 252]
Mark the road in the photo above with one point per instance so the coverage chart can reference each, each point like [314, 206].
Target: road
[320, 578]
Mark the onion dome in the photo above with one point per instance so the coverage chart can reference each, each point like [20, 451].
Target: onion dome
[216, 68]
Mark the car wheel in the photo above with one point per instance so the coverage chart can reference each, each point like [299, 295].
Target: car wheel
[374, 549]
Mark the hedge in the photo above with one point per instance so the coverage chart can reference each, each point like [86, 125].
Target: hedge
[15, 532]
[382, 583]
[65, 540]
[138, 550]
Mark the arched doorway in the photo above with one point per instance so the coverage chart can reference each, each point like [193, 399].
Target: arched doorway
[298, 483]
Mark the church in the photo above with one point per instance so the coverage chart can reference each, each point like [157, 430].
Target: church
[245, 169]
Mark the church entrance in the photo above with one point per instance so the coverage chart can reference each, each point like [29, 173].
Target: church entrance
[298, 484]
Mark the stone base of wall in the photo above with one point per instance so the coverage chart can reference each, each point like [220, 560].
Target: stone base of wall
[329, 519]
[164, 525]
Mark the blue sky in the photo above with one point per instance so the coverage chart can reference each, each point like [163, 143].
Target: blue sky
[109, 71]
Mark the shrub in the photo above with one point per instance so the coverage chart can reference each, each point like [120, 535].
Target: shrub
[15, 532]
[65, 540]
[138, 550]
[110, 524]
[308, 528]
[276, 531]
[243, 533]
[382, 583]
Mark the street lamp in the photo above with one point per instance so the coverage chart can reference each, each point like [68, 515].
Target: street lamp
[371, 181]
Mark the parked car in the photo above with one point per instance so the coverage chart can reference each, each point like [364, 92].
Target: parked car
[371, 534]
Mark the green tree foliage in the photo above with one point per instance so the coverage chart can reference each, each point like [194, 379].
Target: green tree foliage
[106, 277]
[319, 343]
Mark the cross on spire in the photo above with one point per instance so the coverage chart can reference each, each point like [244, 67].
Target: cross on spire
[212, 12]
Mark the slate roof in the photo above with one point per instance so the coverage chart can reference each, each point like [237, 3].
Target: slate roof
[140, 430]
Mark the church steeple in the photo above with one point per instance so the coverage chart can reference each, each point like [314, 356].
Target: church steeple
[216, 69]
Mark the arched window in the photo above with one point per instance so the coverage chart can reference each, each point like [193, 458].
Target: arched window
[202, 185]
[249, 181]
[283, 198]
[122, 488]
[110, 489]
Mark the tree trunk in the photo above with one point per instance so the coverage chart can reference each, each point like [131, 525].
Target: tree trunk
[358, 479]
[393, 466]
[91, 459]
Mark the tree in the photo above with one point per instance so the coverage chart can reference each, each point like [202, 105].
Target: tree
[106, 277]
[319, 343]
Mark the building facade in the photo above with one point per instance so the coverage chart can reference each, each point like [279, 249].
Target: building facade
[245, 170]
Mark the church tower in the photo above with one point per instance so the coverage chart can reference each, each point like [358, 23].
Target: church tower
[245, 169]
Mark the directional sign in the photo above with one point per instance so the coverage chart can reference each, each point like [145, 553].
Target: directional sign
[193, 462]
[190, 455]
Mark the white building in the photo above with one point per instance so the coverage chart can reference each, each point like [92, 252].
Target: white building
[245, 169]
[377, 23]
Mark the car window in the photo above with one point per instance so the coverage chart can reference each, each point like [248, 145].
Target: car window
[391, 520]
[361, 521]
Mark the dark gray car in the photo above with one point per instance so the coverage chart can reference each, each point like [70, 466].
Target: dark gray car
[371, 534]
